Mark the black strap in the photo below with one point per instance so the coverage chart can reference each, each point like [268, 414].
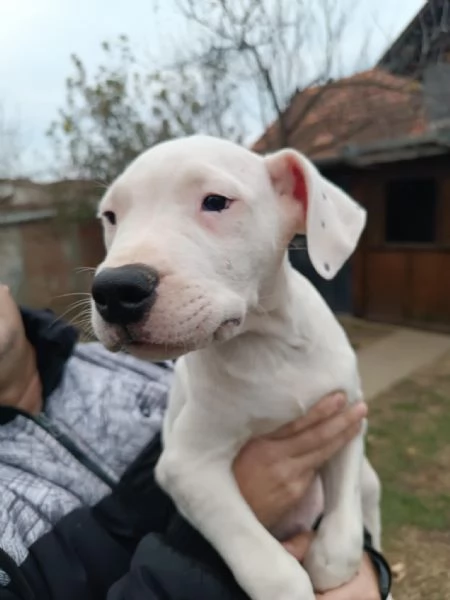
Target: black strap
[383, 571]
[8, 412]
[165, 365]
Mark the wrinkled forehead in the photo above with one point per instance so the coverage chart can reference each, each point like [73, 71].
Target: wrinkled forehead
[193, 153]
[190, 166]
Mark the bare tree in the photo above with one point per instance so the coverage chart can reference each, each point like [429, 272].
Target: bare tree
[275, 50]
[124, 107]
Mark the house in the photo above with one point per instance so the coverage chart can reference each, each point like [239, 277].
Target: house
[384, 136]
[48, 231]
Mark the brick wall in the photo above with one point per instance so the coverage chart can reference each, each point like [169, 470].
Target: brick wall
[42, 261]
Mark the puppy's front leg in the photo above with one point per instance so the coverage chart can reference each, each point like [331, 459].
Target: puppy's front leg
[198, 476]
[371, 500]
[335, 554]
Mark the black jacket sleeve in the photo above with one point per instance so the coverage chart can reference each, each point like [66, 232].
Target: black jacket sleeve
[160, 571]
[6, 594]
[18, 588]
[171, 560]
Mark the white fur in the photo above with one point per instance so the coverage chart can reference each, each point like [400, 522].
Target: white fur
[260, 345]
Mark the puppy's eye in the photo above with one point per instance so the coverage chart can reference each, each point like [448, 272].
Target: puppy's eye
[110, 217]
[215, 203]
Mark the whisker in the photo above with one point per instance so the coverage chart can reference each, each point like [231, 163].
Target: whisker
[72, 307]
[72, 294]
[85, 270]
[84, 315]
[101, 184]
[83, 322]
[86, 331]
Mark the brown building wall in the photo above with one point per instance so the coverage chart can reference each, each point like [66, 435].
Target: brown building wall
[405, 284]
[42, 261]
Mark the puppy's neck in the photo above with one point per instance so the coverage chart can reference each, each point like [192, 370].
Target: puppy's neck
[280, 311]
[276, 289]
[279, 325]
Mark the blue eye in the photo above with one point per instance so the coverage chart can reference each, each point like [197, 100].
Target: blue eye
[215, 203]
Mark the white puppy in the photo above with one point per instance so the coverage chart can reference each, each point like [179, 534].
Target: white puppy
[196, 232]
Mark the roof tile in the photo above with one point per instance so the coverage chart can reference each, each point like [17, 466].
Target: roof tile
[368, 107]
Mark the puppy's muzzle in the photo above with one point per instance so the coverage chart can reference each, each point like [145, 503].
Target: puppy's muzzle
[124, 295]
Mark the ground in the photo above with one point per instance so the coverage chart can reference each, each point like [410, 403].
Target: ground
[409, 445]
[363, 333]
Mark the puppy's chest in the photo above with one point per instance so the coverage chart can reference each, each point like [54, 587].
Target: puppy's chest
[270, 386]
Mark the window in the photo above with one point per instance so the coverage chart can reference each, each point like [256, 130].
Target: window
[411, 211]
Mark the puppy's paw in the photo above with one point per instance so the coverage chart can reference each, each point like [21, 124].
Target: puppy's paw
[335, 555]
[283, 579]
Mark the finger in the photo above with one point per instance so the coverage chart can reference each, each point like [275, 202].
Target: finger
[349, 591]
[324, 409]
[363, 585]
[319, 436]
[315, 460]
[299, 544]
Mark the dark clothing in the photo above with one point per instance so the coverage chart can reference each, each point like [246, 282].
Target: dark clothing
[81, 516]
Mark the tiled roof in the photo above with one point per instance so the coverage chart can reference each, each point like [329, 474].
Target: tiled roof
[368, 107]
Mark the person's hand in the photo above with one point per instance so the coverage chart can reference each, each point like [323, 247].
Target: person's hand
[364, 586]
[20, 385]
[275, 471]
[10, 319]
[11, 326]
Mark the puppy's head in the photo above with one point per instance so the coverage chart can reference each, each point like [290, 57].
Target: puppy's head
[196, 230]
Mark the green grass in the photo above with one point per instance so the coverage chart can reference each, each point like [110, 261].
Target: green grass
[410, 428]
[405, 508]
[409, 446]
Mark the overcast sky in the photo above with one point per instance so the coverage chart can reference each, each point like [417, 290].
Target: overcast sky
[38, 36]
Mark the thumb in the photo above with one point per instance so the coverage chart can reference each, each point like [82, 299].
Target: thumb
[299, 544]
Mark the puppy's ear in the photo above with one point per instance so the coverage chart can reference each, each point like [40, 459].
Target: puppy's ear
[332, 221]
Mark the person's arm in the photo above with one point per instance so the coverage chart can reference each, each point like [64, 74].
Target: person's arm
[170, 560]
[179, 564]
[182, 566]
[372, 582]
[305, 445]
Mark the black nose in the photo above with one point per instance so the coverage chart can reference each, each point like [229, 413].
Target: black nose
[124, 295]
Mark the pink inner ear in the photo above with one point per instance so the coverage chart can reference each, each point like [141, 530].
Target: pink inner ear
[300, 192]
